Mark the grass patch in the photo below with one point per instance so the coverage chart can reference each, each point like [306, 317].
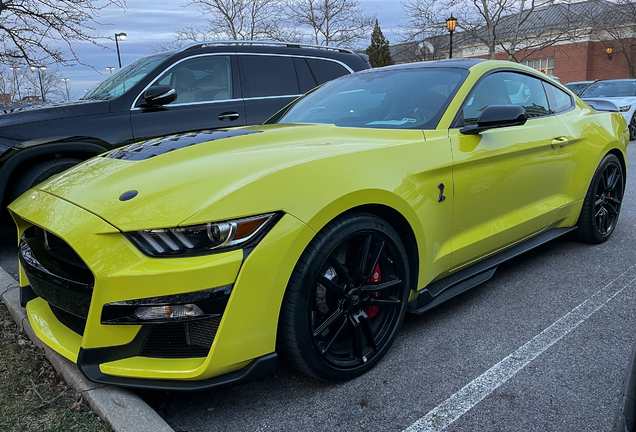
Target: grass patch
[33, 397]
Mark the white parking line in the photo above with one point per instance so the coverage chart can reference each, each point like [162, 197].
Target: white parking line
[474, 392]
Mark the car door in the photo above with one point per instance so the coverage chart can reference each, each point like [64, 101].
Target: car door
[208, 97]
[509, 182]
[269, 82]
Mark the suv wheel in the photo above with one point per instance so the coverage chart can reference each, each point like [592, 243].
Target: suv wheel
[37, 173]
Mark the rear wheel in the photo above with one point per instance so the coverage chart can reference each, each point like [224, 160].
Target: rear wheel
[346, 299]
[37, 173]
[602, 204]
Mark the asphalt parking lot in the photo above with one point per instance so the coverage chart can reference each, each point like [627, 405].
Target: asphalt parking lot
[543, 346]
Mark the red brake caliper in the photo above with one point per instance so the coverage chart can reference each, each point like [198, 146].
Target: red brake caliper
[372, 311]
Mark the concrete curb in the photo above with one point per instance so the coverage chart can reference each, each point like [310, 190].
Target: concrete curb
[124, 411]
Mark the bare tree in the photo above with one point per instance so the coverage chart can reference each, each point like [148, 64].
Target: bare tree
[167, 46]
[32, 29]
[52, 84]
[332, 22]
[512, 26]
[615, 26]
[424, 36]
[237, 20]
[533, 27]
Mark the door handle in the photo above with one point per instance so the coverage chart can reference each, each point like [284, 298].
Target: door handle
[230, 115]
[559, 142]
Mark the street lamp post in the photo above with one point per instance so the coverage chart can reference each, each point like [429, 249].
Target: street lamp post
[68, 96]
[39, 68]
[451, 23]
[110, 69]
[119, 37]
[15, 78]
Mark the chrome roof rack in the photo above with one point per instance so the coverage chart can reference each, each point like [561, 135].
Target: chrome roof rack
[247, 42]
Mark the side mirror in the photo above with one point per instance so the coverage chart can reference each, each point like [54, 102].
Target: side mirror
[497, 116]
[160, 95]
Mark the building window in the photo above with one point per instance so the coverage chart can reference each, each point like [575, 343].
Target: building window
[545, 65]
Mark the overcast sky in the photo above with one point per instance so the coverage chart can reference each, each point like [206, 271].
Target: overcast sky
[151, 22]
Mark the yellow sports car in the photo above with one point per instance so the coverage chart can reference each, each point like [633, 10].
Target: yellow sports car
[190, 261]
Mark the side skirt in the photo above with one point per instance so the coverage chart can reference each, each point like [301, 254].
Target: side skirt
[445, 289]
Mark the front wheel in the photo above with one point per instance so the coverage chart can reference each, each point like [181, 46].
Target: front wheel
[346, 299]
[602, 203]
[37, 173]
[632, 128]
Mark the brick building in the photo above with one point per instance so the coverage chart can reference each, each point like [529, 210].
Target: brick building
[579, 61]
[585, 58]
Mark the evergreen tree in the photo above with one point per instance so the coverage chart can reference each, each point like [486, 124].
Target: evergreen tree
[378, 52]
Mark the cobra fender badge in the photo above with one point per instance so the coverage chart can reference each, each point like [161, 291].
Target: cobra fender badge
[128, 195]
[441, 193]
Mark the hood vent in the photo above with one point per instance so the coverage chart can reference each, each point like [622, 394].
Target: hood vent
[151, 148]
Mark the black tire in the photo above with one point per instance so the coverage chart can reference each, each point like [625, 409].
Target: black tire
[340, 313]
[602, 204]
[632, 128]
[39, 172]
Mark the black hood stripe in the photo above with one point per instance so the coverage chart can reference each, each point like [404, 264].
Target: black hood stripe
[155, 147]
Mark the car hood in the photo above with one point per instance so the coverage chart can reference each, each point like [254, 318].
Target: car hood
[172, 178]
[618, 101]
[51, 111]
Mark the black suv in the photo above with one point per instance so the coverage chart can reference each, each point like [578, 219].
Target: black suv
[202, 86]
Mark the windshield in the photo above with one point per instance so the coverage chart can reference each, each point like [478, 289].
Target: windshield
[124, 79]
[611, 89]
[578, 88]
[390, 98]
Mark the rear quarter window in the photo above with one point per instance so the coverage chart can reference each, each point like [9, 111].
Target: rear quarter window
[558, 100]
[326, 70]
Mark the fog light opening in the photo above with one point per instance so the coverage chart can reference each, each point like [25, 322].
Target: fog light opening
[176, 312]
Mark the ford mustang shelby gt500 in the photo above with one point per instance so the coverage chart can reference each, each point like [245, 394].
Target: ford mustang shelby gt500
[189, 261]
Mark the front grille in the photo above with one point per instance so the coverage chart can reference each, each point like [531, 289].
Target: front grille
[62, 255]
[58, 276]
[181, 340]
[73, 322]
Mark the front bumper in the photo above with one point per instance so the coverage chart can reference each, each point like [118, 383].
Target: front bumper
[244, 343]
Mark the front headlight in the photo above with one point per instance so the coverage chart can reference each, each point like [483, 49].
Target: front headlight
[625, 108]
[202, 239]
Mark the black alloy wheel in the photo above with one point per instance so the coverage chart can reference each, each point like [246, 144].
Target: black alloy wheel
[602, 204]
[632, 128]
[608, 197]
[346, 300]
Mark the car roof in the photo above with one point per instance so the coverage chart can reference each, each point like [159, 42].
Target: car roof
[460, 63]
[269, 47]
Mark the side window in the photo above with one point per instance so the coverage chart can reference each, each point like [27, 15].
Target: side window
[326, 70]
[507, 88]
[165, 80]
[201, 79]
[266, 75]
[306, 80]
[558, 99]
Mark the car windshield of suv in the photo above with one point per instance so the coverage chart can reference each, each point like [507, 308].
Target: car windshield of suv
[578, 88]
[611, 89]
[124, 79]
[391, 98]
